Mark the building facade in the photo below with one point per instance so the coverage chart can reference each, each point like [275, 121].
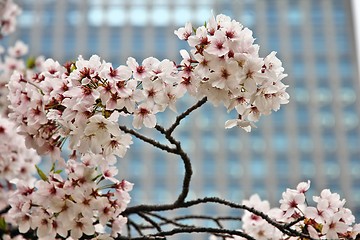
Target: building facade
[315, 137]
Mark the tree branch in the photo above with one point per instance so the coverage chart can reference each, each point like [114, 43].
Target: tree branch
[174, 231]
[5, 210]
[147, 140]
[184, 114]
[152, 222]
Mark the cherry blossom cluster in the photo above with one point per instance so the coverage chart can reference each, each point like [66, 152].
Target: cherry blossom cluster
[82, 203]
[16, 161]
[224, 65]
[329, 219]
[8, 13]
[83, 102]
[12, 60]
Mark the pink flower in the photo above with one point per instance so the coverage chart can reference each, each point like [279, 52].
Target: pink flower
[303, 187]
[144, 115]
[18, 50]
[218, 44]
[334, 226]
[184, 32]
[291, 201]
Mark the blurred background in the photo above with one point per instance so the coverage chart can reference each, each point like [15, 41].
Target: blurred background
[315, 137]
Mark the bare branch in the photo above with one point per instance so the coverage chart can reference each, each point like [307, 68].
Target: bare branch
[5, 210]
[175, 231]
[152, 222]
[147, 140]
[184, 114]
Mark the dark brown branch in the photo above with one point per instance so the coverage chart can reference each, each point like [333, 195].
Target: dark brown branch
[166, 221]
[184, 114]
[136, 227]
[147, 140]
[152, 222]
[286, 230]
[175, 231]
[290, 224]
[5, 210]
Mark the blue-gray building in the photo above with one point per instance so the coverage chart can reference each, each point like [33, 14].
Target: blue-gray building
[316, 136]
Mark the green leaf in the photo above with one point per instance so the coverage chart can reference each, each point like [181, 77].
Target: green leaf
[52, 168]
[2, 224]
[58, 171]
[30, 63]
[42, 175]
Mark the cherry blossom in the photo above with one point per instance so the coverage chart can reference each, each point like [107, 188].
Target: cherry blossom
[320, 222]
[8, 13]
[80, 104]
[70, 206]
[16, 161]
[226, 61]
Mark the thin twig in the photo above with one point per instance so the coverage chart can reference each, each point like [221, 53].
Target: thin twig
[184, 114]
[136, 227]
[147, 140]
[152, 222]
[193, 230]
[168, 221]
[5, 210]
[290, 224]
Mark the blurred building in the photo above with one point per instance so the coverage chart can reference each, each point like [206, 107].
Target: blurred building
[316, 136]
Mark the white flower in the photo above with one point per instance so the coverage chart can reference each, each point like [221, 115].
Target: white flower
[18, 50]
[144, 114]
[303, 187]
[291, 201]
[218, 44]
[334, 226]
[184, 32]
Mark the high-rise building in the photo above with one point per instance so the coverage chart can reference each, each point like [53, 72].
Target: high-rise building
[316, 136]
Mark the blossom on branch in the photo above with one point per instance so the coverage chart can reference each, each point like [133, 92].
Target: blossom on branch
[226, 61]
[70, 206]
[8, 13]
[328, 220]
[16, 161]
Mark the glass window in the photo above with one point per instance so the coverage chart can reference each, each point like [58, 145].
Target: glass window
[346, 66]
[235, 167]
[305, 142]
[208, 165]
[274, 41]
[294, 15]
[257, 143]
[302, 95]
[163, 11]
[348, 95]
[258, 168]
[322, 68]
[299, 68]
[138, 39]
[351, 120]
[343, 43]
[160, 165]
[331, 166]
[319, 43]
[355, 165]
[280, 142]
[307, 166]
[327, 119]
[329, 140]
[282, 166]
[234, 192]
[353, 142]
[303, 115]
